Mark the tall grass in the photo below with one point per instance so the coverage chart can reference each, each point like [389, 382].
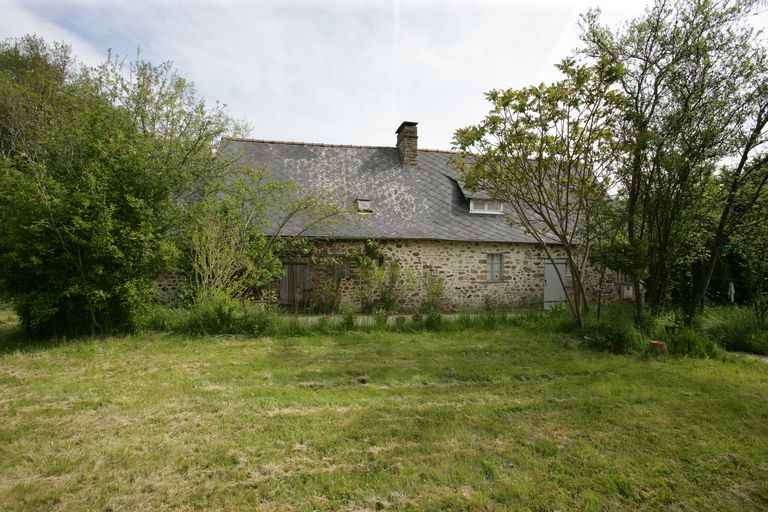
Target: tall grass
[213, 314]
[735, 328]
[615, 330]
[692, 343]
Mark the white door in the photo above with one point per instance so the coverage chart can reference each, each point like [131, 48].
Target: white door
[553, 288]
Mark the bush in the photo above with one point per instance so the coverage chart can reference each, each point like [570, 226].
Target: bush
[735, 328]
[689, 342]
[434, 290]
[326, 294]
[434, 321]
[619, 338]
[159, 317]
[214, 313]
[758, 343]
[348, 316]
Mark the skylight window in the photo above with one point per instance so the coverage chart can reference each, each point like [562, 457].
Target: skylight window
[364, 206]
[488, 206]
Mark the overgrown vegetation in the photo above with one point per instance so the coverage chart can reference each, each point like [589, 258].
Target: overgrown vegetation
[735, 329]
[614, 331]
[547, 152]
[110, 177]
[96, 166]
[662, 123]
[648, 157]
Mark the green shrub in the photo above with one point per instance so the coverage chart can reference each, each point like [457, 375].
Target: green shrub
[212, 314]
[163, 318]
[325, 293]
[689, 342]
[380, 318]
[618, 338]
[758, 343]
[348, 317]
[287, 326]
[734, 328]
[433, 321]
[434, 291]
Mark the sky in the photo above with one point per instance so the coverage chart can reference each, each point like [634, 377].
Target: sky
[330, 71]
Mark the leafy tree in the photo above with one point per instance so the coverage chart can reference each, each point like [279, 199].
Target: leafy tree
[751, 241]
[546, 151]
[693, 86]
[96, 167]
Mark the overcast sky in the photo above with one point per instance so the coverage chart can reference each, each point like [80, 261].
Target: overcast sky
[333, 71]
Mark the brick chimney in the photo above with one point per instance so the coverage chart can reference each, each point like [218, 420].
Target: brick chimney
[407, 137]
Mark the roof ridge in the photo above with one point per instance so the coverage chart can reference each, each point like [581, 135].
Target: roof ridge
[325, 145]
[300, 143]
[430, 150]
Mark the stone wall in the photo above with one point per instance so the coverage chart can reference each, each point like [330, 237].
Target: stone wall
[168, 287]
[464, 267]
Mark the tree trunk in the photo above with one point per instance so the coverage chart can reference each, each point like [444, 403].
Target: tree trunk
[96, 326]
[600, 283]
[632, 235]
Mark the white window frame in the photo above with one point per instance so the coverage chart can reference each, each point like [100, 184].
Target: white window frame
[492, 277]
[481, 206]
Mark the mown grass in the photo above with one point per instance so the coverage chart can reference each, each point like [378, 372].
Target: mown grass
[505, 419]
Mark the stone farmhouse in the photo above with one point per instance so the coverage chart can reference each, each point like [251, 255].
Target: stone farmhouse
[410, 202]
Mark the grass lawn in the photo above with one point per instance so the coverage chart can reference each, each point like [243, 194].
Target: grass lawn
[497, 420]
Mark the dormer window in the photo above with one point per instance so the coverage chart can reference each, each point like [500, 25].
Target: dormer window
[488, 206]
[364, 205]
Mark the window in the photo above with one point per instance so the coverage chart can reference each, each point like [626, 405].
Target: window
[364, 206]
[494, 267]
[622, 277]
[342, 269]
[485, 206]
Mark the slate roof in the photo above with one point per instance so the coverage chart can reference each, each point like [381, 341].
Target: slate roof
[409, 202]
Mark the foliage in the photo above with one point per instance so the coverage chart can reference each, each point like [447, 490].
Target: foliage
[325, 295]
[348, 318]
[434, 292]
[392, 286]
[760, 307]
[751, 241]
[382, 285]
[735, 328]
[213, 313]
[689, 342]
[236, 231]
[757, 343]
[110, 177]
[618, 338]
[695, 81]
[556, 319]
[93, 168]
[228, 252]
[546, 151]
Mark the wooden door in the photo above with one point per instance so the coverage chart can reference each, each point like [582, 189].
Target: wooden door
[294, 286]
